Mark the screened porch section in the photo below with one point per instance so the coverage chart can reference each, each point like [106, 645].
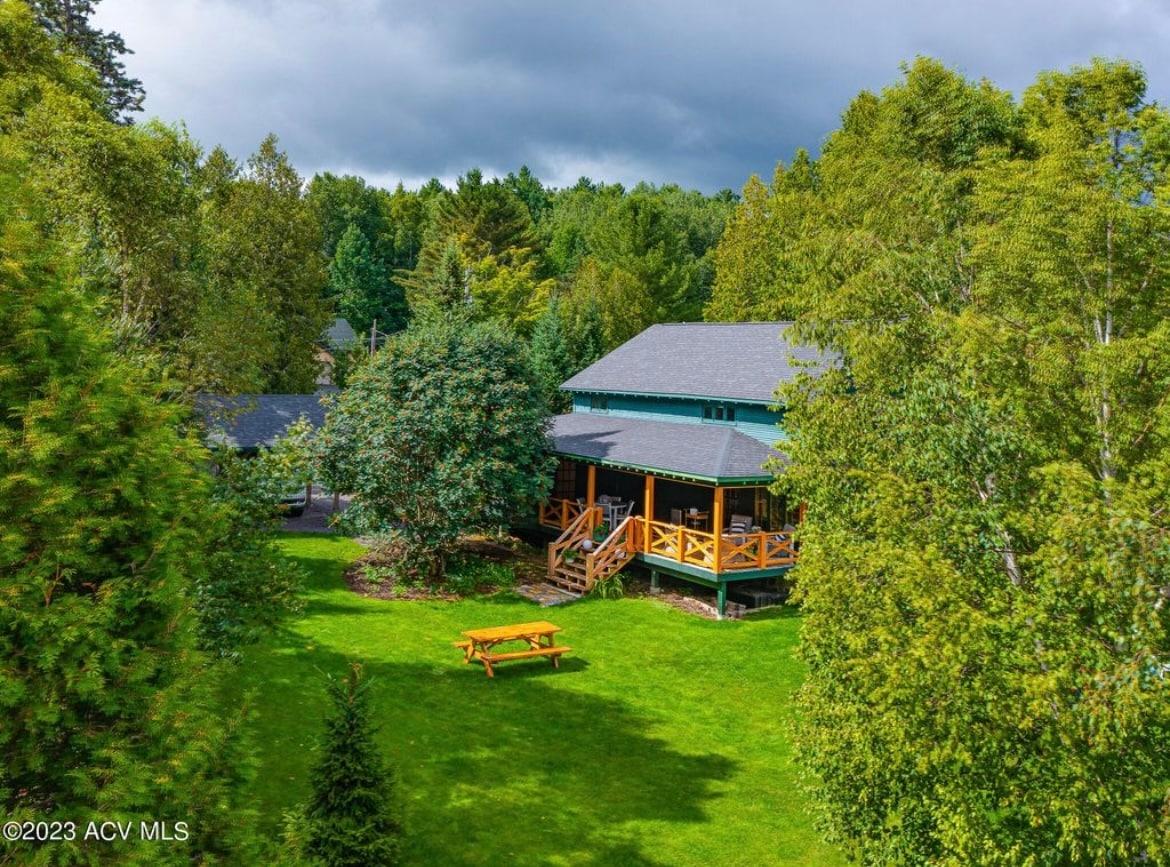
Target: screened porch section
[716, 529]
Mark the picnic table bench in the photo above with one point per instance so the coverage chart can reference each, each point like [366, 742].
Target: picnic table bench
[480, 644]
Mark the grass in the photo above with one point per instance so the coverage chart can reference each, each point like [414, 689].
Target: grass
[663, 739]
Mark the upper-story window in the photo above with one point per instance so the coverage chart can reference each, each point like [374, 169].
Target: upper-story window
[599, 403]
[718, 412]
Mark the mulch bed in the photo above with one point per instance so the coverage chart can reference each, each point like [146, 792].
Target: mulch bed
[528, 564]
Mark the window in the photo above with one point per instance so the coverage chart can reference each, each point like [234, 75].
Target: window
[719, 413]
[598, 403]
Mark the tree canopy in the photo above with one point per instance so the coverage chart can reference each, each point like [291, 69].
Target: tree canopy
[982, 569]
[107, 704]
[440, 434]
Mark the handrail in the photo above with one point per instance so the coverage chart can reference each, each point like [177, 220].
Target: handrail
[559, 512]
[574, 534]
[615, 550]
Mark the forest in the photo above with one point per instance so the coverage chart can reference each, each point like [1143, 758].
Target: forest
[984, 568]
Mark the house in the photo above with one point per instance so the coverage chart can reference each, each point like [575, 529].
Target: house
[336, 339]
[664, 458]
[247, 422]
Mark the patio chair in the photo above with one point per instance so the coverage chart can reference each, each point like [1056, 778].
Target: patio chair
[621, 511]
[739, 525]
[676, 517]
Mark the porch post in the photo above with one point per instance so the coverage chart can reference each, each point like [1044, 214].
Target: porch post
[722, 598]
[649, 516]
[717, 528]
[591, 491]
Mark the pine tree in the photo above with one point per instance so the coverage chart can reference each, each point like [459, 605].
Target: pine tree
[356, 280]
[103, 697]
[550, 357]
[68, 20]
[353, 819]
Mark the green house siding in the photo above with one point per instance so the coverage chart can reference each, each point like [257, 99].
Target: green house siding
[758, 422]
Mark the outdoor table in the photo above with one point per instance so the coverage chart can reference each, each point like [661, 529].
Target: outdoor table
[480, 644]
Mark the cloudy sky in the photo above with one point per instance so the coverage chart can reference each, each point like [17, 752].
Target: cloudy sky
[702, 94]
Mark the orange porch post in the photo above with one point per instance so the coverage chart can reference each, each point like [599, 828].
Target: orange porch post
[591, 492]
[649, 513]
[717, 528]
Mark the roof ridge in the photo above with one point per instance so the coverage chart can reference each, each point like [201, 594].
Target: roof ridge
[752, 322]
[724, 451]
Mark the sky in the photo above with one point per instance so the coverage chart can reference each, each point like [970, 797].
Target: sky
[699, 94]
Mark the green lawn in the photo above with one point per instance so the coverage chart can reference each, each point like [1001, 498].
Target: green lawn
[663, 739]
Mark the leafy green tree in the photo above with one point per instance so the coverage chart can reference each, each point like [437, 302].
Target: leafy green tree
[107, 704]
[31, 65]
[263, 243]
[585, 331]
[353, 817]
[484, 217]
[440, 434]
[761, 260]
[528, 188]
[507, 288]
[361, 270]
[981, 568]
[410, 215]
[341, 202]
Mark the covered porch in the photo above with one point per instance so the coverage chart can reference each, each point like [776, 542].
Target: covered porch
[706, 531]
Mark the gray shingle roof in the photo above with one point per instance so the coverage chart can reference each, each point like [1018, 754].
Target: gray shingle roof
[339, 334]
[249, 421]
[704, 451]
[736, 361]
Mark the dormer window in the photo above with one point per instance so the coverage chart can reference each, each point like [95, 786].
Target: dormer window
[718, 412]
[599, 403]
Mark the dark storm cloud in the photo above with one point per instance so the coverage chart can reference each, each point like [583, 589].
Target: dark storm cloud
[699, 94]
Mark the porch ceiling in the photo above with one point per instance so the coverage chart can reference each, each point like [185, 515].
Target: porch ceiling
[704, 452]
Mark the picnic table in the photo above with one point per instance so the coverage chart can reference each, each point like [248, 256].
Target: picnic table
[481, 644]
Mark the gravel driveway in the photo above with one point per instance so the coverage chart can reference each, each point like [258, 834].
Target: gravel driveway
[317, 514]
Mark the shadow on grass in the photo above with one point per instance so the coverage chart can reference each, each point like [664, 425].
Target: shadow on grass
[513, 769]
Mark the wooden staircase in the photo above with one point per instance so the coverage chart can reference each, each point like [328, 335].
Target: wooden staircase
[573, 567]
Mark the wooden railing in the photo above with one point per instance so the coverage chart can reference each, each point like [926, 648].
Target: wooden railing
[580, 529]
[755, 551]
[560, 513]
[615, 551]
[736, 552]
[760, 550]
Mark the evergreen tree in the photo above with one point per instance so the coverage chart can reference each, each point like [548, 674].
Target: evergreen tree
[482, 218]
[586, 334]
[551, 362]
[105, 701]
[357, 283]
[352, 816]
[68, 21]
[263, 243]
